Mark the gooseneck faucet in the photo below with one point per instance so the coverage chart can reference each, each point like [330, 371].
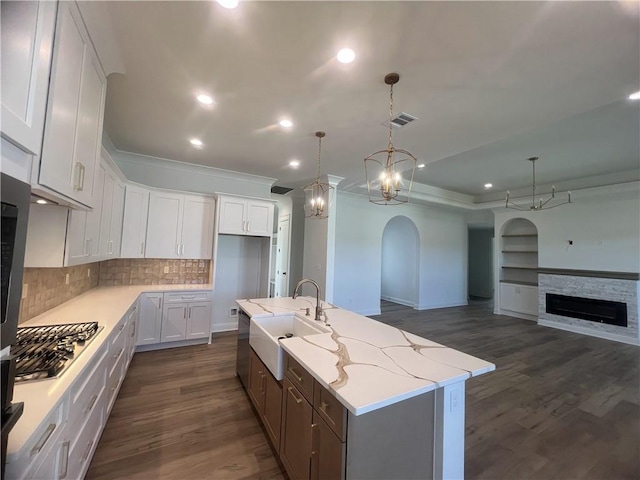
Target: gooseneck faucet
[318, 305]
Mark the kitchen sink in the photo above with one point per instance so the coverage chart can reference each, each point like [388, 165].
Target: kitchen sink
[264, 335]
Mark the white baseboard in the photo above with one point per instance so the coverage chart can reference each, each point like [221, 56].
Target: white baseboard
[591, 333]
[401, 301]
[368, 313]
[225, 327]
[523, 316]
[162, 346]
[444, 305]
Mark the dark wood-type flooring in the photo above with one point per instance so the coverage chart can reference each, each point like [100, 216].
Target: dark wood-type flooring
[559, 406]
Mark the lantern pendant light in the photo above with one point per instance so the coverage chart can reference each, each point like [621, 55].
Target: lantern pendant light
[390, 172]
[319, 194]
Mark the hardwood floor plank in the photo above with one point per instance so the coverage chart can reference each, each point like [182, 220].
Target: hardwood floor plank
[559, 406]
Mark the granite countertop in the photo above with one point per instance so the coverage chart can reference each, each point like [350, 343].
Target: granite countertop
[105, 305]
[366, 364]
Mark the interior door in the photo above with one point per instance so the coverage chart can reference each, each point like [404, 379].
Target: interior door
[282, 257]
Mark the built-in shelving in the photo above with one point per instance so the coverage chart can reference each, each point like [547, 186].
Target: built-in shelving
[517, 282]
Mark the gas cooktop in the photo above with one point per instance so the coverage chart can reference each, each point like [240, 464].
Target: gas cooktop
[46, 352]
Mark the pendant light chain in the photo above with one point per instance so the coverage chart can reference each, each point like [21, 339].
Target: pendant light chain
[319, 151]
[390, 116]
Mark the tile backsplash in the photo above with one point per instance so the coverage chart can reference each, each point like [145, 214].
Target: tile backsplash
[153, 271]
[47, 288]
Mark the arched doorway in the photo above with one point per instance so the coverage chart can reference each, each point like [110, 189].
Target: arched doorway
[400, 262]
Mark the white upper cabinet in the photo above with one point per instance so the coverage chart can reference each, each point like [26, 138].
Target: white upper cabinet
[245, 216]
[111, 215]
[73, 125]
[179, 226]
[26, 40]
[134, 224]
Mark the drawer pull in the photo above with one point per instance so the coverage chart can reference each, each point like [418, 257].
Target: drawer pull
[45, 436]
[119, 352]
[324, 406]
[87, 452]
[297, 377]
[186, 297]
[92, 402]
[64, 460]
[121, 327]
[298, 400]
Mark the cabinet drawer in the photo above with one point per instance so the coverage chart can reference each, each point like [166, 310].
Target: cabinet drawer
[299, 377]
[331, 410]
[117, 348]
[113, 382]
[84, 445]
[87, 390]
[182, 297]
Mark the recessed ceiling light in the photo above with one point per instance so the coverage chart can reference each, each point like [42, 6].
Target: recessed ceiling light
[346, 55]
[634, 96]
[41, 201]
[294, 163]
[286, 123]
[206, 99]
[421, 165]
[488, 185]
[228, 3]
[196, 142]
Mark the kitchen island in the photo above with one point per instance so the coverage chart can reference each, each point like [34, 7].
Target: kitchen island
[403, 395]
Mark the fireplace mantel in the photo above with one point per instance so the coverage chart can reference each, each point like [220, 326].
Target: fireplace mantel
[590, 273]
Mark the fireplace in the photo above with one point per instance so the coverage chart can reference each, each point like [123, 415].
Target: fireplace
[594, 310]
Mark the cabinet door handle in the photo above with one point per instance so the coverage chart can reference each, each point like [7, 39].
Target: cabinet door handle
[314, 450]
[160, 303]
[189, 312]
[177, 249]
[43, 439]
[91, 404]
[298, 400]
[141, 248]
[297, 377]
[185, 313]
[248, 226]
[133, 329]
[77, 167]
[87, 452]
[182, 249]
[87, 250]
[64, 460]
[82, 170]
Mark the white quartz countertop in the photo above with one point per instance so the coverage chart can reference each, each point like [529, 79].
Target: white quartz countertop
[366, 364]
[105, 305]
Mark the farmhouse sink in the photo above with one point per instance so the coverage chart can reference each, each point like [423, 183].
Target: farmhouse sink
[264, 335]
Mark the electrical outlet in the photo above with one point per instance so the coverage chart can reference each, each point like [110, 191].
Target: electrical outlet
[233, 312]
[166, 269]
[25, 289]
[66, 279]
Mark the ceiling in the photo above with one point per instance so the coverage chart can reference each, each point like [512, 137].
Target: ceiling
[492, 83]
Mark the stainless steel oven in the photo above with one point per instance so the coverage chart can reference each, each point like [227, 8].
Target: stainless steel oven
[15, 196]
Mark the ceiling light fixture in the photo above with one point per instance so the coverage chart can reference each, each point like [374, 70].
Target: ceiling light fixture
[41, 201]
[319, 193]
[421, 165]
[634, 96]
[286, 123]
[204, 99]
[294, 163]
[541, 205]
[488, 185]
[384, 179]
[228, 3]
[196, 142]
[346, 55]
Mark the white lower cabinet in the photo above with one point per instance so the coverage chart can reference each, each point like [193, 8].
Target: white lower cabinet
[173, 317]
[519, 298]
[150, 321]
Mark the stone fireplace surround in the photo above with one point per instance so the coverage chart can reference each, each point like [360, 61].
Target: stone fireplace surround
[615, 286]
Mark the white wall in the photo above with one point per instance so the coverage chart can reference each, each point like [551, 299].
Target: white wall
[603, 223]
[400, 257]
[240, 265]
[481, 262]
[443, 254]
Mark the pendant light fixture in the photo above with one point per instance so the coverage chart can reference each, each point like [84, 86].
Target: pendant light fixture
[385, 169]
[319, 194]
[541, 205]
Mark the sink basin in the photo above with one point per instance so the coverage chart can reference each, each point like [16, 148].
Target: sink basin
[264, 334]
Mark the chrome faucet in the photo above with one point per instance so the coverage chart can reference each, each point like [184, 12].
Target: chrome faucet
[318, 305]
